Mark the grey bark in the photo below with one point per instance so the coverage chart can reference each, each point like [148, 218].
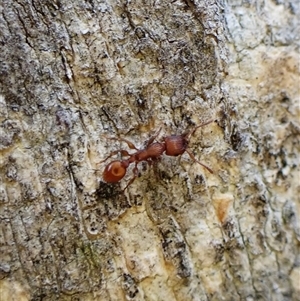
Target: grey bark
[76, 73]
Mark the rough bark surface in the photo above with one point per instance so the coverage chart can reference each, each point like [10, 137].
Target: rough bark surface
[76, 73]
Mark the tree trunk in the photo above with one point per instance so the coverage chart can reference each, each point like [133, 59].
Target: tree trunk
[75, 74]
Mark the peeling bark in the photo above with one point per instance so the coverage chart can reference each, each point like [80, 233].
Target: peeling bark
[74, 74]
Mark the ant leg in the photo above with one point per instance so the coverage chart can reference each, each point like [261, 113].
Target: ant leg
[122, 151]
[135, 175]
[150, 141]
[195, 160]
[154, 165]
[130, 144]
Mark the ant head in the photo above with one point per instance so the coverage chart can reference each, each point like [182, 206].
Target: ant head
[115, 171]
[176, 145]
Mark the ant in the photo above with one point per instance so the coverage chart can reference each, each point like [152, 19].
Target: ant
[173, 145]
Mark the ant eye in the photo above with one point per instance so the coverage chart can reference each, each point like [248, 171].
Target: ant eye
[114, 172]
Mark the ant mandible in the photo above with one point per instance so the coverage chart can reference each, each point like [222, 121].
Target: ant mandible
[173, 145]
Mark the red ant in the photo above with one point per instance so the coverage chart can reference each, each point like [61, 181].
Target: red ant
[173, 145]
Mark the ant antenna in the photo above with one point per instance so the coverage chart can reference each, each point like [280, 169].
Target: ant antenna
[198, 126]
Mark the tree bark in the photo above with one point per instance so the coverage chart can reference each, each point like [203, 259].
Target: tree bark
[75, 74]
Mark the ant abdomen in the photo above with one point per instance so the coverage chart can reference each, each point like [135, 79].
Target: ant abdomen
[114, 171]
